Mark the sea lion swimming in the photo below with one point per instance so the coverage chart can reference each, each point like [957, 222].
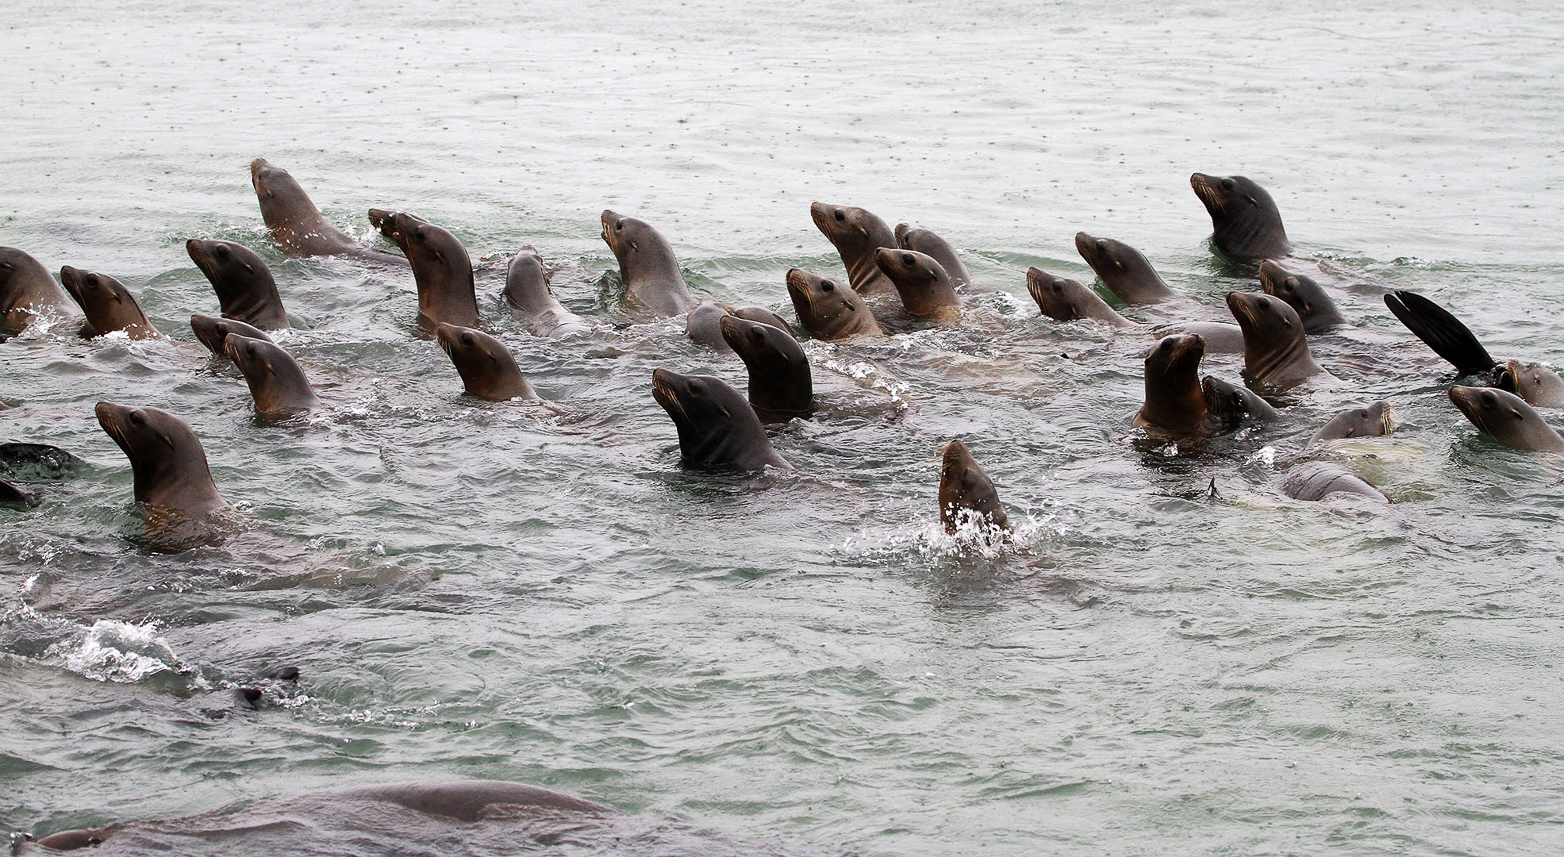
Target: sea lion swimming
[1506, 418]
[856, 234]
[1230, 406]
[830, 309]
[172, 479]
[910, 237]
[1063, 299]
[966, 493]
[108, 305]
[1317, 480]
[1276, 354]
[211, 331]
[780, 386]
[1175, 401]
[1124, 270]
[1314, 307]
[297, 225]
[718, 430]
[1456, 343]
[1372, 421]
[1244, 220]
[702, 324]
[924, 286]
[646, 265]
[277, 384]
[26, 291]
[1535, 383]
[487, 368]
[527, 289]
[441, 268]
[244, 285]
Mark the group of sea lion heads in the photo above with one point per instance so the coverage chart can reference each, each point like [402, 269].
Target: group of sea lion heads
[718, 427]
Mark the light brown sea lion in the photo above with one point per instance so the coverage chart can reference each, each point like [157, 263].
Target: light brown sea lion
[701, 325]
[527, 289]
[1535, 383]
[212, 331]
[718, 430]
[924, 241]
[27, 291]
[646, 265]
[1314, 307]
[1063, 299]
[1175, 401]
[1244, 220]
[1507, 418]
[925, 288]
[1123, 269]
[1276, 353]
[1372, 421]
[856, 234]
[244, 285]
[965, 491]
[487, 368]
[277, 384]
[441, 268]
[780, 386]
[830, 309]
[108, 305]
[172, 481]
[297, 225]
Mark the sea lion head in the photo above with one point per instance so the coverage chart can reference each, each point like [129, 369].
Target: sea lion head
[108, 305]
[244, 285]
[212, 331]
[829, 308]
[965, 490]
[1535, 383]
[1059, 298]
[1231, 405]
[1317, 311]
[1244, 218]
[1175, 401]
[636, 245]
[1370, 421]
[1106, 254]
[167, 460]
[276, 382]
[72, 840]
[25, 286]
[851, 226]
[487, 368]
[282, 198]
[1275, 351]
[223, 261]
[1506, 417]
[921, 281]
[717, 428]
[526, 282]
[780, 384]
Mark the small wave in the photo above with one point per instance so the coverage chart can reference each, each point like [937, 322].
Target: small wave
[120, 652]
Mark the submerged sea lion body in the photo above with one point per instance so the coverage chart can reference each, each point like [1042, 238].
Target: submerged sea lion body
[1175, 401]
[108, 305]
[966, 492]
[244, 285]
[166, 458]
[926, 242]
[856, 234]
[277, 384]
[212, 331]
[1314, 307]
[441, 268]
[718, 430]
[26, 291]
[1063, 299]
[830, 309]
[1276, 353]
[924, 286]
[297, 225]
[780, 386]
[527, 289]
[646, 265]
[1230, 406]
[1124, 270]
[1244, 220]
[487, 368]
[1506, 418]
[1372, 421]
[1317, 480]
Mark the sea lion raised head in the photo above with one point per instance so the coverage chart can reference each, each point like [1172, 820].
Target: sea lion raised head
[166, 459]
[647, 265]
[718, 430]
[910, 237]
[966, 492]
[26, 290]
[1175, 402]
[1371, 421]
[108, 305]
[244, 285]
[211, 331]
[830, 309]
[441, 268]
[780, 386]
[1506, 418]
[1244, 220]
[1230, 406]
[527, 289]
[856, 234]
[924, 286]
[277, 384]
[1314, 307]
[1068, 300]
[1535, 383]
[1276, 353]
[487, 368]
[296, 224]
[1123, 269]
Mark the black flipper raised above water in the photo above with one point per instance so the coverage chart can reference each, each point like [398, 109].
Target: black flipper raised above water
[1441, 331]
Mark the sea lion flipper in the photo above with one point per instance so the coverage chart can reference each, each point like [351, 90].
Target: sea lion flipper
[1441, 331]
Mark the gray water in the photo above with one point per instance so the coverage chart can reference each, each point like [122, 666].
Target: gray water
[504, 591]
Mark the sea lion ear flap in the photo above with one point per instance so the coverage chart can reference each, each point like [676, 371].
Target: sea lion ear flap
[166, 439]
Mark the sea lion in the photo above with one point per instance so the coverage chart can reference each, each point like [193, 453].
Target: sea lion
[277, 384]
[211, 331]
[1314, 307]
[762, 315]
[1372, 421]
[108, 305]
[856, 234]
[1230, 406]
[297, 225]
[966, 493]
[1276, 353]
[910, 237]
[1068, 300]
[487, 368]
[1175, 401]
[1454, 341]
[441, 268]
[1535, 383]
[647, 265]
[32, 461]
[829, 309]
[26, 291]
[780, 386]
[1123, 269]
[701, 325]
[1221, 337]
[718, 430]
[244, 285]
[1506, 418]
[527, 289]
[1317, 480]
[168, 463]
[925, 288]
[1244, 219]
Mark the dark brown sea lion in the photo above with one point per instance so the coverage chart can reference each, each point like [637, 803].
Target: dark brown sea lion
[1244, 219]
[647, 265]
[830, 309]
[910, 237]
[171, 475]
[1276, 354]
[277, 384]
[527, 289]
[1535, 383]
[780, 386]
[297, 225]
[1123, 269]
[26, 291]
[1507, 418]
[1317, 480]
[1314, 307]
[441, 268]
[1231, 406]
[718, 430]
[211, 331]
[856, 234]
[966, 494]
[244, 285]
[1068, 300]
[487, 368]
[108, 305]
[925, 288]
[1372, 421]
[1175, 401]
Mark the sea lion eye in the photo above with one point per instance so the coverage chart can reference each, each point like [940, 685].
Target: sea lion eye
[1516, 412]
[137, 419]
[696, 389]
[619, 226]
[828, 286]
[908, 260]
[1227, 184]
[220, 250]
[840, 215]
[757, 334]
[467, 339]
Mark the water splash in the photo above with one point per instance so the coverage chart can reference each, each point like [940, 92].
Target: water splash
[120, 652]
